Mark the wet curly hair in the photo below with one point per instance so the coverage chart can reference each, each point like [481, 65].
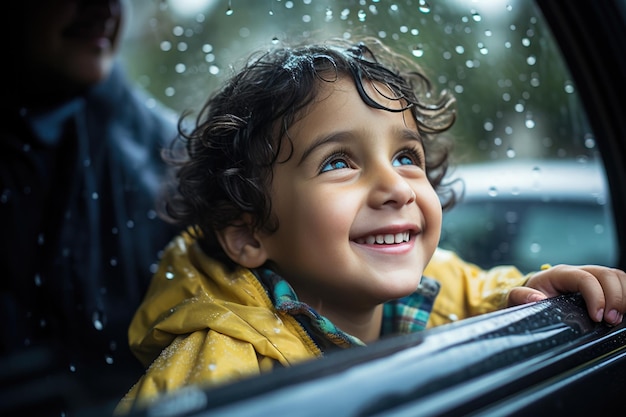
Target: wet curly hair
[225, 170]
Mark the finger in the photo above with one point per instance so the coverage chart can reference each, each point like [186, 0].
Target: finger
[593, 293]
[613, 282]
[524, 295]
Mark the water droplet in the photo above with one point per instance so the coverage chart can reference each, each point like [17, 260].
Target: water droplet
[535, 247]
[569, 87]
[493, 191]
[94, 196]
[531, 60]
[40, 239]
[476, 16]
[590, 142]
[598, 229]
[72, 367]
[328, 15]
[212, 367]
[229, 11]
[43, 323]
[38, 280]
[510, 153]
[417, 51]
[362, 15]
[113, 262]
[276, 330]
[130, 224]
[166, 46]
[275, 40]
[169, 274]
[98, 319]
[109, 359]
[424, 7]
[529, 123]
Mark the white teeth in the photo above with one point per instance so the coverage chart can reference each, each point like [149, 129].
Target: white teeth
[387, 239]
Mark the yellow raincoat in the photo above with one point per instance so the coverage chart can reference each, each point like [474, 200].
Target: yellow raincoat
[203, 324]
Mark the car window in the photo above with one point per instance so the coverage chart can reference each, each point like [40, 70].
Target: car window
[517, 103]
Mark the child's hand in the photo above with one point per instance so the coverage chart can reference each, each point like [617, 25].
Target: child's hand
[604, 289]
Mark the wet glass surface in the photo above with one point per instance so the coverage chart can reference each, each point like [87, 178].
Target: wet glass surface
[517, 100]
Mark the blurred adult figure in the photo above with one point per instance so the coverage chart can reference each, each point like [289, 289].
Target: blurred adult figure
[80, 170]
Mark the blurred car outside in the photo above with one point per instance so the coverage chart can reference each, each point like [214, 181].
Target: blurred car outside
[529, 212]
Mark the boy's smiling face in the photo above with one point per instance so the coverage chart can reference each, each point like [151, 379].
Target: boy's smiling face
[357, 217]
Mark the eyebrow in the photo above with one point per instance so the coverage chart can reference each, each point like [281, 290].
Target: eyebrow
[335, 137]
[343, 136]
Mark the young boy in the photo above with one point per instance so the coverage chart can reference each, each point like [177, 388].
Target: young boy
[310, 188]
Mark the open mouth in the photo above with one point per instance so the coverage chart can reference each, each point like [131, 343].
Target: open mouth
[384, 239]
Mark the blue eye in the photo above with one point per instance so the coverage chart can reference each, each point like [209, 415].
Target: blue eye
[408, 156]
[334, 164]
[403, 160]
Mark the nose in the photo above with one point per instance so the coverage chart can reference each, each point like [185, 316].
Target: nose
[390, 188]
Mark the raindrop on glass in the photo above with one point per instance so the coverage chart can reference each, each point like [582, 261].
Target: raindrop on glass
[535, 247]
[493, 191]
[166, 46]
[417, 51]
[362, 15]
[169, 274]
[38, 280]
[531, 60]
[40, 239]
[476, 16]
[97, 319]
[72, 367]
[569, 87]
[510, 153]
[108, 359]
[590, 142]
[424, 7]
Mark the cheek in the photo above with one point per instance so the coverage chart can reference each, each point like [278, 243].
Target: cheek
[431, 209]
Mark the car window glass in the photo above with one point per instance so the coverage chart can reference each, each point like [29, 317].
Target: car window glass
[521, 129]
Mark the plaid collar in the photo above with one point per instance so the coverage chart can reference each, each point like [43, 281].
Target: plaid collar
[405, 315]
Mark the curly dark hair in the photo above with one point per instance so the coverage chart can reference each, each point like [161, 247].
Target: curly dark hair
[226, 169]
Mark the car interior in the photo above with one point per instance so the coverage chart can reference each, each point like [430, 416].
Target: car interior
[537, 81]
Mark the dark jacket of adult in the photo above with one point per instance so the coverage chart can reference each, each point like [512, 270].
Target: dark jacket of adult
[79, 240]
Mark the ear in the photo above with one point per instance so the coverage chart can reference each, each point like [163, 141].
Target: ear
[241, 245]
